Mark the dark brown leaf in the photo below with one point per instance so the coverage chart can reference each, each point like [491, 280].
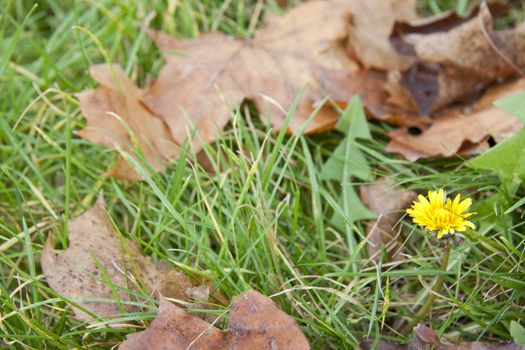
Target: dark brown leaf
[255, 322]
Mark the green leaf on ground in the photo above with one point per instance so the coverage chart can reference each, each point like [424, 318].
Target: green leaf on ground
[517, 332]
[507, 158]
[513, 104]
[349, 161]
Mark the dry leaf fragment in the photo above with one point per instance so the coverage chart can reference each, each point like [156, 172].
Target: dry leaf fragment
[255, 322]
[388, 203]
[456, 63]
[117, 96]
[205, 76]
[75, 273]
[455, 132]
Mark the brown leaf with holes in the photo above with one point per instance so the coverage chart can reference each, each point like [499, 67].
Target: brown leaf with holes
[457, 132]
[117, 97]
[426, 337]
[255, 322]
[97, 254]
[388, 203]
[205, 78]
[455, 63]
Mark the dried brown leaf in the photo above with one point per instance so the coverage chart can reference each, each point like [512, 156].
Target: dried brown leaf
[117, 96]
[457, 63]
[368, 84]
[371, 24]
[461, 132]
[75, 274]
[270, 69]
[255, 322]
[388, 203]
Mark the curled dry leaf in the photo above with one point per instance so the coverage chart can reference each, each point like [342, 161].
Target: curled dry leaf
[255, 322]
[425, 337]
[117, 97]
[455, 63]
[97, 254]
[388, 203]
[204, 76]
[458, 132]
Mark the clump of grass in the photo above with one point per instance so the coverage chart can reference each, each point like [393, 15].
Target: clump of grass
[256, 224]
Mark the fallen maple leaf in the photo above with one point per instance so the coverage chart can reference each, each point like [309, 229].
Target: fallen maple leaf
[99, 264]
[456, 132]
[118, 97]
[388, 204]
[216, 71]
[452, 64]
[255, 322]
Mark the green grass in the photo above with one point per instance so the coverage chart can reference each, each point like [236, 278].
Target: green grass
[262, 223]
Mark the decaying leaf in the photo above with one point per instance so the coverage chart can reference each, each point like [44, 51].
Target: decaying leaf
[449, 65]
[255, 322]
[97, 260]
[388, 203]
[118, 97]
[461, 132]
[425, 337]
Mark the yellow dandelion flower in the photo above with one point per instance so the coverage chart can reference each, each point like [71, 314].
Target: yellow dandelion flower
[439, 213]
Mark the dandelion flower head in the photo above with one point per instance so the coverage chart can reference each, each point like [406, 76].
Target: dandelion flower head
[439, 213]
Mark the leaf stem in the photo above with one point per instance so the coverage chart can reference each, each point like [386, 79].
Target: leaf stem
[432, 295]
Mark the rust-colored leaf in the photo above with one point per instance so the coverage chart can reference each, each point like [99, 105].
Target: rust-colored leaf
[96, 254]
[118, 97]
[255, 322]
[461, 132]
[388, 203]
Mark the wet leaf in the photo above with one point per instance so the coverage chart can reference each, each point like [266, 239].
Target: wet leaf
[255, 322]
[100, 264]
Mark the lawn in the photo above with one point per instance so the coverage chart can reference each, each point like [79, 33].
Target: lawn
[259, 217]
